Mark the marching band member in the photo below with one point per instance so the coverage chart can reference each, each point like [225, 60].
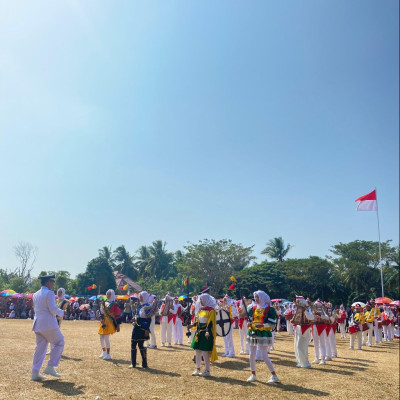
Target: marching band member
[152, 343]
[342, 321]
[302, 331]
[262, 320]
[278, 318]
[46, 329]
[288, 316]
[243, 320]
[377, 321]
[369, 320]
[387, 318]
[229, 306]
[319, 333]
[177, 321]
[356, 322]
[331, 350]
[111, 319]
[141, 329]
[205, 335]
[194, 309]
[166, 321]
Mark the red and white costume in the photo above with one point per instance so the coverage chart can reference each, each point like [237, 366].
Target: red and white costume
[288, 316]
[302, 331]
[166, 321]
[319, 333]
[177, 322]
[388, 324]
[331, 350]
[342, 321]
[243, 321]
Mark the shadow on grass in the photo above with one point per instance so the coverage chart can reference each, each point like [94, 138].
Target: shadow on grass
[71, 358]
[117, 361]
[231, 381]
[156, 372]
[66, 388]
[357, 359]
[230, 364]
[297, 389]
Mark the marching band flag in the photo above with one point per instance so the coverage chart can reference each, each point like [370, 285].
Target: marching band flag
[368, 202]
[186, 281]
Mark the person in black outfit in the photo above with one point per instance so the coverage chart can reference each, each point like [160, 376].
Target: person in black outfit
[141, 329]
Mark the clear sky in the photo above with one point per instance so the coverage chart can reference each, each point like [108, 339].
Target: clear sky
[124, 122]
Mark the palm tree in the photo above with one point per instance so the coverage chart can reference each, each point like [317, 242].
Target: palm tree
[125, 262]
[107, 253]
[143, 258]
[276, 249]
[160, 260]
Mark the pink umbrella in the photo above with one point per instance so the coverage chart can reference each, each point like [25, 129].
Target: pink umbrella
[395, 303]
[17, 295]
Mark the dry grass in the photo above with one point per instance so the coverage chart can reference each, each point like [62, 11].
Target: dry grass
[372, 373]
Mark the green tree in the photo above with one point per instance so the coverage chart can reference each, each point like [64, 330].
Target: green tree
[18, 284]
[124, 263]
[213, 262]
[160, 262]
[276, 249]
[108, 254]
[62, 279]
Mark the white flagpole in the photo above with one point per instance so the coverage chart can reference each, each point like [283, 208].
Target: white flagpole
[379, 238]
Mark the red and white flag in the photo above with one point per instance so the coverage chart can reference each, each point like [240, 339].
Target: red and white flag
[368, 202]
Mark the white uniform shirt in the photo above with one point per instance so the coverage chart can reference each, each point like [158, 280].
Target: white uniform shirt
[46, 310]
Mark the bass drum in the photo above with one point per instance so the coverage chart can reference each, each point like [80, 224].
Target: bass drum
[223, 322]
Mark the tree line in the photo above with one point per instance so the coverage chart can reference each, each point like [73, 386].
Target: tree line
[350, 272]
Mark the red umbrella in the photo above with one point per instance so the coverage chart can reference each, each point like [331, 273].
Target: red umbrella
[383, 300]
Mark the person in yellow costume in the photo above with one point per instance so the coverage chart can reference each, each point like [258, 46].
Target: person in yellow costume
[357, 320]
[377, 317]
[205, 335]
[369, 319]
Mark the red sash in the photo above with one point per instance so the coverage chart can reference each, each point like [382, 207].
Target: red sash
[320, 328]
[304, 328]
[241, 320]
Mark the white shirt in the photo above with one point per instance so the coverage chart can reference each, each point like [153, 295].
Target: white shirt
[46, 310]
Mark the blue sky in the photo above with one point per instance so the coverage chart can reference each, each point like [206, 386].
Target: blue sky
[127, 122]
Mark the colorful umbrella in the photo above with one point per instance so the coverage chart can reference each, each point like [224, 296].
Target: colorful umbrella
[383, 300]
[182, 297]
[17, 295]
[395, 303]
[134, 295]
[29, 295]
[122, 297]
[83, 306]
[7, 292]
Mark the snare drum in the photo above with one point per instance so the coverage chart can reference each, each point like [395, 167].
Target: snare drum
[354, 329]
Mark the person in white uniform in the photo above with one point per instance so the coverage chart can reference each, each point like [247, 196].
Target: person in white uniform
[177, 322]
[152, 343]
[46, 329]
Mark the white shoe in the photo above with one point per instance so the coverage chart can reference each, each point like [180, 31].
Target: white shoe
[316, 361]
[323, 362]
[107, 357]
[205, 373]
[196, 373]
[273, 379]
[253, 378]
[51, 371]
[242, 352]
[224, 355]
[49, 352]
[298, 365]
[162, 344]
[308, 366]
[37, 376]
[103, 353]
[169, 345]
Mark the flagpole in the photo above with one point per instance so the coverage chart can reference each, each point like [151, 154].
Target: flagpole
[379, 238]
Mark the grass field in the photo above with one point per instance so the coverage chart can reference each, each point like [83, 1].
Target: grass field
[372, 373]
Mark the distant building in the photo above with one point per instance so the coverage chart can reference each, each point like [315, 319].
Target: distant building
[122, 280]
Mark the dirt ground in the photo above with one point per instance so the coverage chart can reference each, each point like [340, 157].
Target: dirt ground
[372, 373]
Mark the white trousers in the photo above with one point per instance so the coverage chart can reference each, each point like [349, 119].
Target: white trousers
[55, 338]
[331, 350]
[244, 346]
[289, 327]
[377, 332]
[178, 332]
[391, 331]
[367, 335]
[342, 327]
[166, 330]
[301, 343]
[105, 341]
[353, 337]
[228, 342]
[319, 344]
[264, 353]
[152, 340]
[206, 357]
